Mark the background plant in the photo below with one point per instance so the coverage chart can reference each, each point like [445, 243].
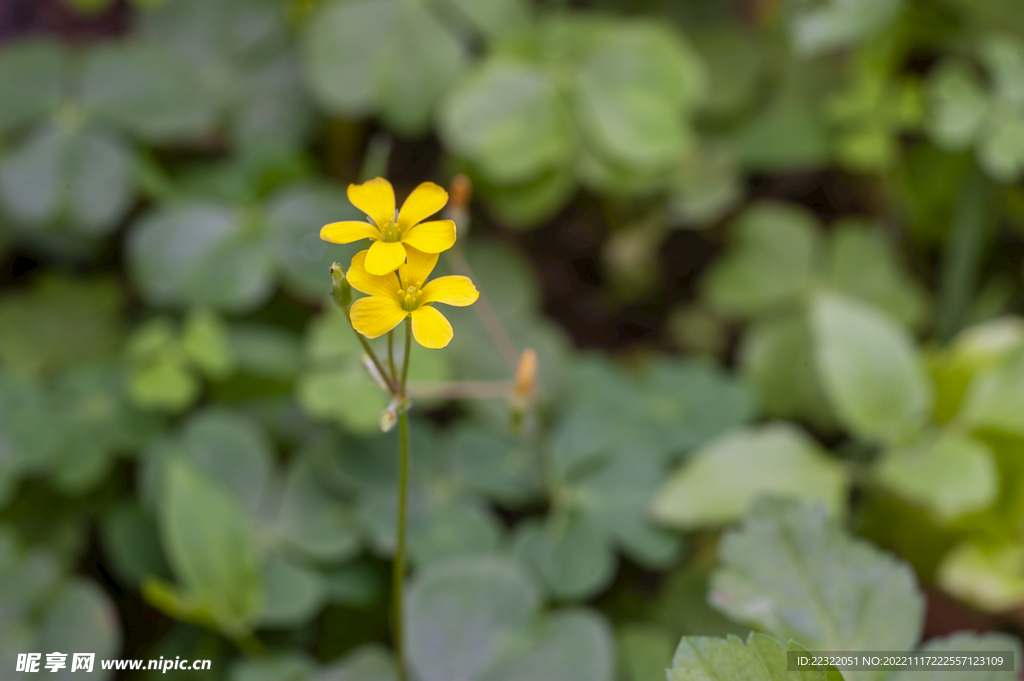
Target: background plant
[759, 249]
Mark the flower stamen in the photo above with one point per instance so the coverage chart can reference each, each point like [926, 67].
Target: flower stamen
[411, 299]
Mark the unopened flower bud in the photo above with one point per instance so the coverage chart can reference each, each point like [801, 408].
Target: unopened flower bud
[388, 418]
[525, 385]
[341, 290]
[460, 189]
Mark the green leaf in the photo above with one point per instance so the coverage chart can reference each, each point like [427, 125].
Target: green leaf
[951, 475]
[32, 80]
[293, 594]
[721, 482]
[615, 494]
[199, 254]
[492, 18]
[992, 395]
[502, 468]
[568, 555]
[455, 530]
[790, 571]
[682, 607]
[461, 614]
[959, 105]
[987, 576]
[571, 645]
[391, 56]
[165, 385]
[863, 265]
[83, 175]
[761, 659]
[770, 264]
[777, 359]
[821, 26]
[294, 216]
[277, 667]
[871, 372]
[81, 619]
[369, 662]
[356, 585]
[509, 119]
[204, 339]
[645, 652]
[632, 91]
[130, 538]
[144, 88]
[965, 642]
[347, 395]
[207, 540]
[265, 351]
[231, 450]
[311, 520]
[59, 323]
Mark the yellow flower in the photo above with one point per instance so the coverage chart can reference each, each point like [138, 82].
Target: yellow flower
[395, 296]
[390, 233]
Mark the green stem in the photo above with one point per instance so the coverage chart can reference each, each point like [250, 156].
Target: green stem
[971, 231]
[391, 357]
[373, 358]
[398, 575]
[405, 359]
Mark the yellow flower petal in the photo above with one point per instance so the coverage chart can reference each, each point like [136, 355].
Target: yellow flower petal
[347, 232]
[425, 200]
[371, 284]
[384, 258]
[376, 198]
[376, 315]
[419, 267]
[453, 290]
[431, 237]
[430, 328]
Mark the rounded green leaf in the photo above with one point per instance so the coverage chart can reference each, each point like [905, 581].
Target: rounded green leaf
[144, 88]
[987, 576]
[570, 645]
[721, 482]
[771, 261]
[81, 619]
[701, 658]
[870, 369]
[391, 56]
[951, 475]
[32, 80]
[461, 614]
[311, 520]
[509, 119]
[570, 558]
[293, 594]
[209, 544]
[199, 254]
[980, 644]
[632, 91]
[790, 571]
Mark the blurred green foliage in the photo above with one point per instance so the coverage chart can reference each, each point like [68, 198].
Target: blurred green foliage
[187, 424]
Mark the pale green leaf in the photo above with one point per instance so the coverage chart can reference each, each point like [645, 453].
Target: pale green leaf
[790, 571]
[762, 658]
[950, 475]
[872, 374]
[720, 483]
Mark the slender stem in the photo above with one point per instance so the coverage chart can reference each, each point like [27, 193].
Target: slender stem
[398, 575]
[488, 315]
[391, 357]
[405, 359]
[373, 358]
[456, 390]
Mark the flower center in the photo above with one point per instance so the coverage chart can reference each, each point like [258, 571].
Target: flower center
[389, 232]
[410, 298]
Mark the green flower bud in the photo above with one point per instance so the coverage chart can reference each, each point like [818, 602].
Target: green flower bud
[341, 290]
